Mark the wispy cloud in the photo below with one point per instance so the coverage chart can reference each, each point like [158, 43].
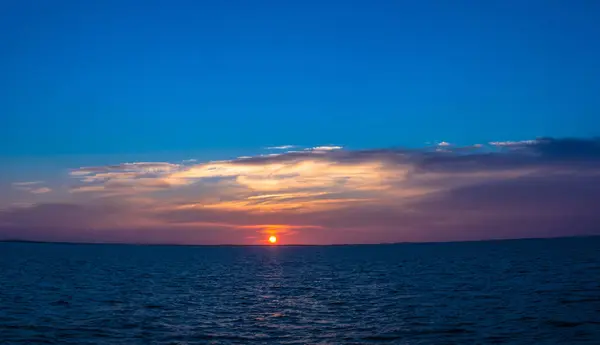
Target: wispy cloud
[136, 168]
[282, 147]
[513, 143]
[40, 190]
[543, 186]
[28, 183]
[325, 148]
[32, 187]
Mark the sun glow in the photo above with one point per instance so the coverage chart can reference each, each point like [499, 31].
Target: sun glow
[273, 239]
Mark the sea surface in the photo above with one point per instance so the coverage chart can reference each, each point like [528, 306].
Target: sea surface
[497, 292]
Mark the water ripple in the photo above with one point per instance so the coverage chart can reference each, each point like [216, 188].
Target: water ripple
[515, 292]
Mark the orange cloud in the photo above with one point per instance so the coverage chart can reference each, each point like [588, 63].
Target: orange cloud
[321, 195]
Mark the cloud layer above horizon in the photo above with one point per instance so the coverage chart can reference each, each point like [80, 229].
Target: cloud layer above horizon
[327, 194]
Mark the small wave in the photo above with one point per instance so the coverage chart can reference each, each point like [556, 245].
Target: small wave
[381, 337]
[583, 300]
[153, 306]
[59, 302]
[564, 324]
[336, 302]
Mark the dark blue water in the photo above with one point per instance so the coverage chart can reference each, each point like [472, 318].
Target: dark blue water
[505, 292]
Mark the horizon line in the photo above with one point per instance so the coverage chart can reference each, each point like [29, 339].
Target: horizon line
[292, 245]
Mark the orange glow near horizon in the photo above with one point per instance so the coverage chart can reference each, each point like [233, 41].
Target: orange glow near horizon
[273, 239]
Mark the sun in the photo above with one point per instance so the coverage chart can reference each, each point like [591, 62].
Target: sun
[273, 239]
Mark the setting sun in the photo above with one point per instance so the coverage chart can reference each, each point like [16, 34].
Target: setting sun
[272, 239]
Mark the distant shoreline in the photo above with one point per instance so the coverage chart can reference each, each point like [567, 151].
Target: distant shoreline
[293, 245]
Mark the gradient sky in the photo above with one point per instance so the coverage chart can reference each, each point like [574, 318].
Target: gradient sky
[407, 120]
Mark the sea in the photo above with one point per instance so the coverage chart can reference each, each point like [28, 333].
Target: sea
[537, 291]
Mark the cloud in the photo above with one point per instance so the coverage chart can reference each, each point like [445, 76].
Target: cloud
[136, 167]
[282, 147]
[30, 183]
[513, 143]
[40, 190]
[86, 189]
[541, 187]
[125, 178]
[325, 148]
[32, 187]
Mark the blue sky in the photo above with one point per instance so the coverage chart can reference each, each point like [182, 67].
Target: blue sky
[122, 77]
[491, 108]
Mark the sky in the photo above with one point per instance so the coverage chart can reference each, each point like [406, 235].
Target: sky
[321, 122]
